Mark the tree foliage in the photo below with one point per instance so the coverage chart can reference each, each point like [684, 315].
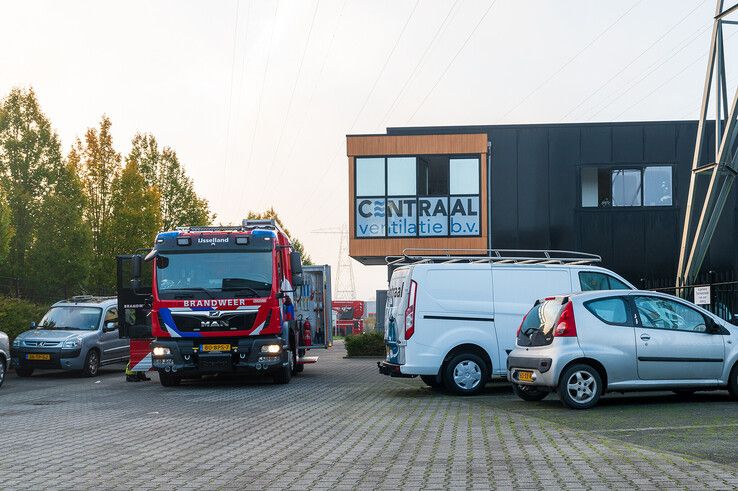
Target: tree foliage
[271, 214]
[180, 204]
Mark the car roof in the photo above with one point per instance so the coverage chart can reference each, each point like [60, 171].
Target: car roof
[88, 300]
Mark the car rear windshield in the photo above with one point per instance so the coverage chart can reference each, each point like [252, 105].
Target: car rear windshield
[537, 328]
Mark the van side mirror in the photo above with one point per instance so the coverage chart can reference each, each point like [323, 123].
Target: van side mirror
[295, 263]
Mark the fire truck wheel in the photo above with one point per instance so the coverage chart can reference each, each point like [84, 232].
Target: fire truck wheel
[294, 365]
[284, 374]
[92, 364]
[169, 379]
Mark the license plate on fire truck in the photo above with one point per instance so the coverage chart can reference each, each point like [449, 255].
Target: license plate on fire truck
[206, 348]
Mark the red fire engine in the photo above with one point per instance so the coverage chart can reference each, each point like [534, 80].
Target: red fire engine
[221, 300]
[349, 316]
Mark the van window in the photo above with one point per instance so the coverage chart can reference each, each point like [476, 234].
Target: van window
[610, 310]
[592, 280]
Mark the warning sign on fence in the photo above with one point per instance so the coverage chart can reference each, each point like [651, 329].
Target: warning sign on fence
[702, 295]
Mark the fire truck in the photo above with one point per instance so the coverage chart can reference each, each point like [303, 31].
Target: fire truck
[234, 299]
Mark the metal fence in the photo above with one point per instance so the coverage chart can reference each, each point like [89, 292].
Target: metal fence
[723, 291]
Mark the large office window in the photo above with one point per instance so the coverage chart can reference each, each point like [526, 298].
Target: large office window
[418, 196]
[605, 187]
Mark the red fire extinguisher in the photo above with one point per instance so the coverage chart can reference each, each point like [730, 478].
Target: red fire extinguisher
[307, 333]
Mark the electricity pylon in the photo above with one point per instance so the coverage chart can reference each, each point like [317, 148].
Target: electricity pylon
[345, 285]
[722, 172]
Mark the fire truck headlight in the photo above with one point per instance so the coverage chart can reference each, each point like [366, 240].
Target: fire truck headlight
[271, 348]
[162, 351]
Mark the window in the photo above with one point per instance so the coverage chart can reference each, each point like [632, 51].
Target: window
[590, 281]
[662, 313]
[370, 177]
[605, 187]
[464, 176]
[610, 310]
[111, 315]
[401, 176]
[433, 174]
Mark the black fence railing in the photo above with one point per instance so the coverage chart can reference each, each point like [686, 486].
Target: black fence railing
[723, 291]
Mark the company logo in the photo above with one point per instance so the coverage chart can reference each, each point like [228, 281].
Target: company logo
[214, 323]
[212, 240]
[215, 313]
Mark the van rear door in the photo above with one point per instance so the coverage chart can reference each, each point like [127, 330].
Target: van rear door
[394, 315]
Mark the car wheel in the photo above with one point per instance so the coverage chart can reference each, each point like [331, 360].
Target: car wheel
[431, 381]
[2, 371]
[92, 364]
[580, 387]
[528, 393]
[169, 379]
[24, 372]
[466, 374]
[733, 383]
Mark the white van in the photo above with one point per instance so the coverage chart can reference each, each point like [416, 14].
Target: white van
[453, 321]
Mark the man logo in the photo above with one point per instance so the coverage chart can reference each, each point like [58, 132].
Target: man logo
[214, 313]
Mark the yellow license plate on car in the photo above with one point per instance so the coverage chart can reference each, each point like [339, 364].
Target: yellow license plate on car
[525, 376]
[215, 347]
[38, 356]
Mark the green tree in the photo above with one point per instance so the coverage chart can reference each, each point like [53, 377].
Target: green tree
[271, 214]
[61, 255]
[136, 217]
[180, 204]
[100, 166]
[30, 158]
[6, 228]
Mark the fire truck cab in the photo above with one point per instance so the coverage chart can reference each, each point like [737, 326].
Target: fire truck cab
[222, 300]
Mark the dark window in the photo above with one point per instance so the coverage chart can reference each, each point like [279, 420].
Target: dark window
[433, 175]
[605, 187]
[662, 313]
[610, 310]
[590, 281]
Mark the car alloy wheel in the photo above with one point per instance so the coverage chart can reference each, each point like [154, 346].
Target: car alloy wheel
[92, 364]
[581, 387]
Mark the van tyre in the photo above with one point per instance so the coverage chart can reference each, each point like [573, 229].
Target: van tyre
[431, 381]
[528, 393]
[580, 387]
[733, 383]
[466, 374]
[92, 364]
[169, 379]
[24, 372]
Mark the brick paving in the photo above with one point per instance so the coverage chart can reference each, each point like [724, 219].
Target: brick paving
[339, 425]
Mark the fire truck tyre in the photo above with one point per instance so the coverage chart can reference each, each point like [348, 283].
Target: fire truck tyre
[296, 367]
[23, 371]
[466, 374]
[431, 381]
[733, 383]
[528, 393]
[92, 364]
[169, 379]
[283, 375]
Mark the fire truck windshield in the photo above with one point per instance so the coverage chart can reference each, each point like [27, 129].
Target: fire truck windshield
[214, 274]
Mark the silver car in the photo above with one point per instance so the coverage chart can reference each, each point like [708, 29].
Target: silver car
[585, 344]
[4, 356]
[76, 334]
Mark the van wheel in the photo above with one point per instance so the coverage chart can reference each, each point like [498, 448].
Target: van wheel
[431, 381]
[466, 374]
[580, 387]
[733, 383]
[169, 379]
[23, 371]
[528, 393]
[92, 364]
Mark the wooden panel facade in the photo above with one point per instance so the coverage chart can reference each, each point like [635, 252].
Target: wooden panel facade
[374, 250]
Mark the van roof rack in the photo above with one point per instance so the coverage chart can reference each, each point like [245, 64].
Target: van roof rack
[247, 224]
[496, 256]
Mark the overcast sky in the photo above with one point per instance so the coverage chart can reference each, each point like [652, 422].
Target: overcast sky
[257, 97]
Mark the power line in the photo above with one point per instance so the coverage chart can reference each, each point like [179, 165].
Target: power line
[607, 82]
[571, 60]
[450, 63]
[230, 91]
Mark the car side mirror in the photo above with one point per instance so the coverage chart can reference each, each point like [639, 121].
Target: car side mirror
[34, 325]
[110, 326]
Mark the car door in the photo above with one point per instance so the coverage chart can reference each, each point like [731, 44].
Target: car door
[672, 342]
[114, 348]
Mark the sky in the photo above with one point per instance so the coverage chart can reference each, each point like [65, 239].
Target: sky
[257, 96]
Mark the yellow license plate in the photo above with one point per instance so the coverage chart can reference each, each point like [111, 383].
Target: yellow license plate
[215, 347]
[38, 356]
[525, 376]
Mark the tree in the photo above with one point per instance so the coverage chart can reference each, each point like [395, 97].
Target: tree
[271, 214]
[61, 255]
[6, 228]
[135, 218]
[100, 166]
[30, 159]
[180, 204]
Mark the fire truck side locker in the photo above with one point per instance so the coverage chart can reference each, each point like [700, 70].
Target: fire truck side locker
[313, 311]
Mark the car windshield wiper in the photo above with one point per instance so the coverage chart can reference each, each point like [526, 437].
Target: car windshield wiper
[251, 291]
[192, 289]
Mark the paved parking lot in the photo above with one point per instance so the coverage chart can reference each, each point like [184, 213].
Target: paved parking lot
[340, 425]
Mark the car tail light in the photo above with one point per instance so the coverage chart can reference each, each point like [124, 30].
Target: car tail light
[566, 327]
[410, 310]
